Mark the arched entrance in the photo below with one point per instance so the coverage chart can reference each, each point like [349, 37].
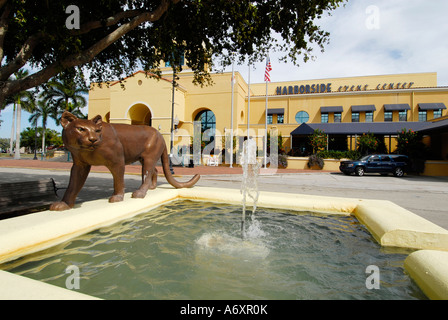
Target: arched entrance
[140, 114]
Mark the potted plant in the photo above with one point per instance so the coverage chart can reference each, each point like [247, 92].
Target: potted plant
[315, 162]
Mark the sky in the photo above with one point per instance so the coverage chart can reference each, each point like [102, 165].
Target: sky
[373, 37]
[367, 37]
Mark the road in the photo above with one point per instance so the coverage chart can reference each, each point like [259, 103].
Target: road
[424, 196]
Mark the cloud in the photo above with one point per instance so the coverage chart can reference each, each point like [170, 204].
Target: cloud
[375, 38]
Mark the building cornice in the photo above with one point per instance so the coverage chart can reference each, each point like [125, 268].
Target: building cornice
[349, 93]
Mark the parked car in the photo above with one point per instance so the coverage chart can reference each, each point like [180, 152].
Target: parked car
[376, 163]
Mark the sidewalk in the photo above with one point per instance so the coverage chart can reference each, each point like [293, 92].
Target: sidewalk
[136, 169]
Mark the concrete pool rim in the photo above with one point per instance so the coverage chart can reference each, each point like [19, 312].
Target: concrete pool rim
[390, 225]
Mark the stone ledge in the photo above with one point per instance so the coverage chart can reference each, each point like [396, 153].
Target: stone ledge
[21, 288]
[429, 270]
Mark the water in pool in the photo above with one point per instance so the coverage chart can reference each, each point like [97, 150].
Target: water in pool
[193, 250]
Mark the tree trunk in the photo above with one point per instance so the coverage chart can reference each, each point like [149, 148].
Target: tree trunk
[11, 140]
[43, 140]
[17, 151]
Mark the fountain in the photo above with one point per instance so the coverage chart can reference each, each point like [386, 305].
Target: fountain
[192, 250]
[249, 190]
[249, 184]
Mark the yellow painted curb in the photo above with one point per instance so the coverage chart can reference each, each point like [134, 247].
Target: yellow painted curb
[274, 200]
[429, 270]
[394, 226]
[21, 288]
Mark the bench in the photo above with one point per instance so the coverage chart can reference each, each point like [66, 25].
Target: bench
[24, 197]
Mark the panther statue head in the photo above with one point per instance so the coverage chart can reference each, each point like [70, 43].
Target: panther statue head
[81, 133]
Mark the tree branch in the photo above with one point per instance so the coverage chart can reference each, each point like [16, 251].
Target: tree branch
[87, 27]
[12, 86]
[22, 57]
[4, 25]
[29, 45]
[2, 3]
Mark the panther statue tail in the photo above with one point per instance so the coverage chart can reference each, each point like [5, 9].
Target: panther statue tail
[169, 177]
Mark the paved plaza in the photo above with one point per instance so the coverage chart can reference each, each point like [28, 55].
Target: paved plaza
[424, 196]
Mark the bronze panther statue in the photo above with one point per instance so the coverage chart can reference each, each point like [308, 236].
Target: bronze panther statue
[94, 142]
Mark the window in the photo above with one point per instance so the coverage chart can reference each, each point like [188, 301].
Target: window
[437, 113]
[403, 115]
[337, 117]
[324, 117]
[369, 116]
[302, 117]
[280, 118]
[422, 116]
[388, 116]
[355, 116]
[269, 119]
[208, 124]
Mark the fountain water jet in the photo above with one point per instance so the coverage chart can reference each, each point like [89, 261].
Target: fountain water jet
[249, 184]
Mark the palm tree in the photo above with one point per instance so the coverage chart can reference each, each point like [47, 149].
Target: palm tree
[63, 95]
[21, 99]
[42, 110]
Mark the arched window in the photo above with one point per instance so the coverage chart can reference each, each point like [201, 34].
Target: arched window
[208, 124]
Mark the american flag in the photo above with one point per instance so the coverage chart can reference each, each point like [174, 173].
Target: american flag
[267, 76]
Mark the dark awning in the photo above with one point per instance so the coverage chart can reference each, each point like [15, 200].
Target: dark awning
[436, 125]
[364, 108]
[303, 129]
[331, 109]
[431, 106]
[358, 128]
[397, 107]
[276, 111]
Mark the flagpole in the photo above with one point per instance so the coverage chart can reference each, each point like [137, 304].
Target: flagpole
[231, 115]
[267, 78]
[266, 128]
[248, 104]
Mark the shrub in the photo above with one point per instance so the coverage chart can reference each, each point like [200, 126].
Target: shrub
[331, 154]
[367, 143]
[410, 143]
[318, 140]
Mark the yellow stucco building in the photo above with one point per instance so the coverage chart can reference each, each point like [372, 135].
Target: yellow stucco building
[344, 108]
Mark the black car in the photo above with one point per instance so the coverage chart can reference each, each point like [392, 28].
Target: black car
[376, 163]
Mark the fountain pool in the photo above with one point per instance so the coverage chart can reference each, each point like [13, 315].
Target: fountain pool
[194, 250]
[389, 226]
